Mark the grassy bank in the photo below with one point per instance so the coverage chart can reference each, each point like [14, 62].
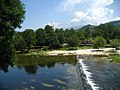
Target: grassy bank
[36, 52]
[115, 58]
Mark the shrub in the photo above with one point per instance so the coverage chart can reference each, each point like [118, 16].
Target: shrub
[115, 43]
[99, 42]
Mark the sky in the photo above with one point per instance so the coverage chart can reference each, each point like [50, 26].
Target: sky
[69, 13]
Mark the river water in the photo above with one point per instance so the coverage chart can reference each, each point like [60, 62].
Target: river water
[61, 73]
[98, 74]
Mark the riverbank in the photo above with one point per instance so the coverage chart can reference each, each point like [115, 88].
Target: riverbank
[103, 51]
[112, 54]
[114, 58]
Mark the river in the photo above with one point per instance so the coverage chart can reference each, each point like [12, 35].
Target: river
[61, 73]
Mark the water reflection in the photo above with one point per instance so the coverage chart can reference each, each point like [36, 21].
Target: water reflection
[4, 64]
[32, 63]
[41, 73]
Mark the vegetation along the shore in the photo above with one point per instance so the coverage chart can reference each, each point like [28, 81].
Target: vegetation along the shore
[114, 58]
[50, 38]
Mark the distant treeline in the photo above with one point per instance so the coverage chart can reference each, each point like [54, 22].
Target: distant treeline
[55, 38]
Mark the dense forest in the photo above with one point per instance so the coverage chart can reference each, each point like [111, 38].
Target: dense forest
[50, 38]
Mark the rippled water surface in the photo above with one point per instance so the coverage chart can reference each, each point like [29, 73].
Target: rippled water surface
[103, 74]
[61, 73]
[41, 73]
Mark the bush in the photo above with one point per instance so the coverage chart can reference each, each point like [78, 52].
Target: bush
[44, 49]
[114, 58]
[99, 42]
[73, 41]
[115, 43]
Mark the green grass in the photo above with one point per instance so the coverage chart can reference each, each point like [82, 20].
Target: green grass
[114, 58]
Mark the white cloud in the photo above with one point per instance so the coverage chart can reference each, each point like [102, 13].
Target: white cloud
[68, 4]
[95, 13]
[99, 3]
[80, 14]
[116, 18]
[54, 24]
[75, 20]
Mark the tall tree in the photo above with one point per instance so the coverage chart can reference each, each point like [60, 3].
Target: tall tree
[40, 37]
[51, 39]
[73, 41]
[80, 35]
[29, 37]
[61, 35]
[11, 16]
[19, 42]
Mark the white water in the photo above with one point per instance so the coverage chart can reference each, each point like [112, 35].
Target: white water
[87, 74]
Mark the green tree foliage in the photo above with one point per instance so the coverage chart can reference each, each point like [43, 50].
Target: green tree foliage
[41, 37]
[51, 39]
[11, 16]
[80, 35]
[99, 42]
[60, 35]
[115, 43]
[73, 41]
[29, 37]
[115, 34]
[69, 32]
[108, 31]
[19, 42]
[96, 33]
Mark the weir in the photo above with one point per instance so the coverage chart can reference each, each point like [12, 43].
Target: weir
[85, 74]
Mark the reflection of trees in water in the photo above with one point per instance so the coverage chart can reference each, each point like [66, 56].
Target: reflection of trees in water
[6, 53]
[51, 64]
[31, 63]
[4, 64]
[32, 69]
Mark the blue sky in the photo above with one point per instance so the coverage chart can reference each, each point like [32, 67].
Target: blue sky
[69, 13]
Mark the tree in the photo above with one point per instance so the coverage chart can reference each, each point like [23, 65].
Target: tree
[40, 37]
[99, 42]
[29, 37]
[51, 39]
[60, 35]
[11, 16]
[80, 35]
[115, 43]
[19, 42]
[108, 31]
[73, 41]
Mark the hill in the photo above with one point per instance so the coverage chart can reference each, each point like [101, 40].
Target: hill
[115, 23]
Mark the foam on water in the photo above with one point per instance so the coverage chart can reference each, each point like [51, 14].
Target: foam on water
[88, 74]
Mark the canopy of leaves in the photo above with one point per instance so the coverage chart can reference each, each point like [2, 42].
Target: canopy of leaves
[60, 35]
[11, 16]
[19, 42]
[41, 37]
[99, 42]
[115, 43]
[73, 41]
[51, 39]
[29, 37]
